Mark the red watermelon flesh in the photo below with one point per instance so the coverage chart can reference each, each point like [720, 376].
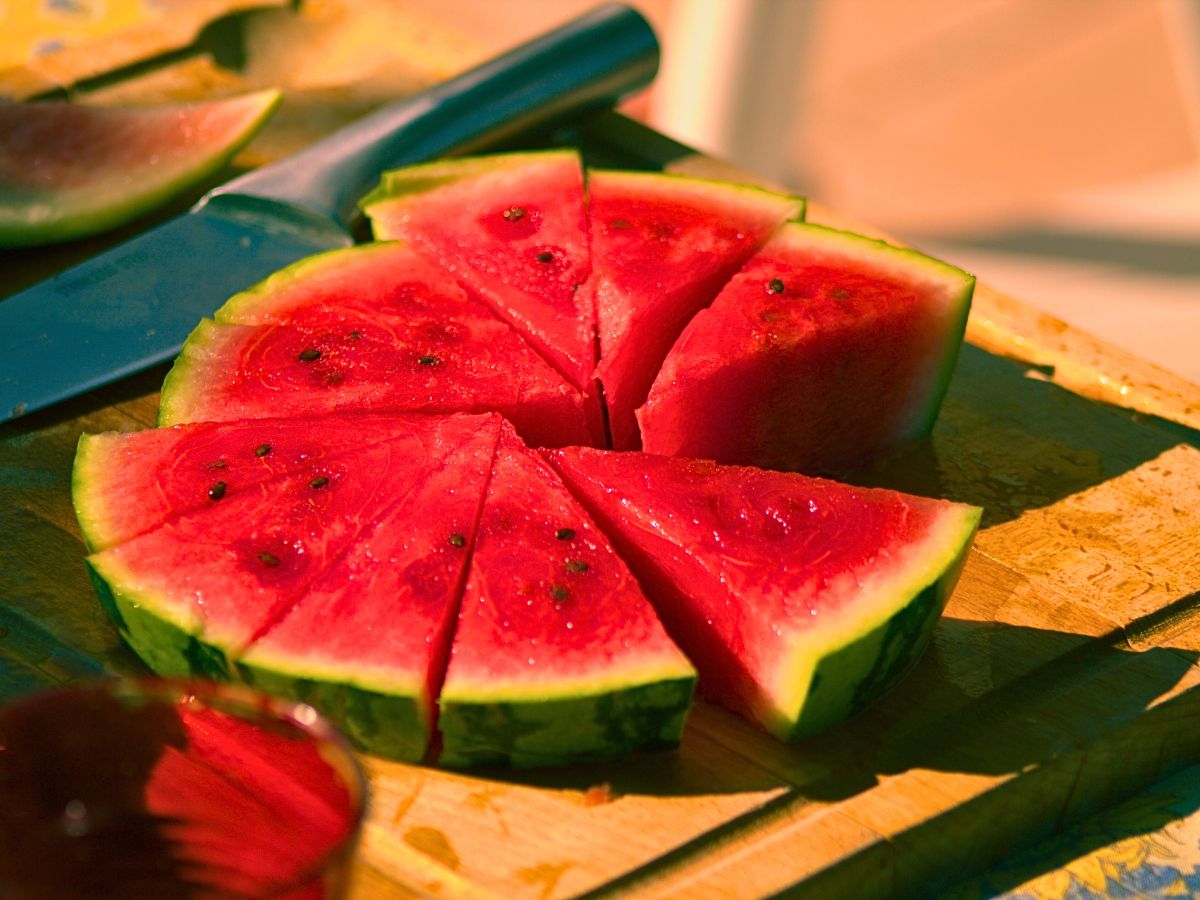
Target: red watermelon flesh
[406, 348]
[161, 472]
[800, 600]
[827, 350]
[369, 638]
[557, 655]
[512, 229]
[662, 248]
[69, 170]
[225, 574]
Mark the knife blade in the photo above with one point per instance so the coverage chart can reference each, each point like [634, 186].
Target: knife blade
[134, 305]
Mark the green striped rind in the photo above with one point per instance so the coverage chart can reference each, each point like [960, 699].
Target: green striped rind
[165, 640]
[698, 187]
[49, 216]
[525, 731]
[425, 177]
[388, 720]
[955, 285]
[840, 670]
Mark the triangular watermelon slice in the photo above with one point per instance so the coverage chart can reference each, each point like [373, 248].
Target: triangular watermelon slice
[125, 483]
[512, 228]
[368, 642]
[68, 170]
[366, 329]
[197, 590]
[662, 247]
[800, 600]
[827, 350]
[557, 656]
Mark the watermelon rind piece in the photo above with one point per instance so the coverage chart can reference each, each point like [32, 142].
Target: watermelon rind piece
[68, 170]
[558, 656]
[424, 177]
[733, 556]
[663, 246]
[827, 351]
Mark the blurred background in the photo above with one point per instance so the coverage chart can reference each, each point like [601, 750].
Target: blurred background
[1050, 146]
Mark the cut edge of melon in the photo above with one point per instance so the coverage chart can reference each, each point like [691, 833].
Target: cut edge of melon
[859, 654]
[182, 387]
[92, 453]
[396, 184]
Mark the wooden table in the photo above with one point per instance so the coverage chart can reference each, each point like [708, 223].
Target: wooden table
[1062, 679]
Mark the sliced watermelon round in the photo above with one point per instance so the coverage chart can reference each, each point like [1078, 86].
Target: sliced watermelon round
[800, 600]
[366, 328]
[826, 350]
[68, 170]
[343, 570]
[662, 247]
[557, 657]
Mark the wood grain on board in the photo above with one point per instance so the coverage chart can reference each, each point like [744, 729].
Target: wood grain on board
[1062, 679]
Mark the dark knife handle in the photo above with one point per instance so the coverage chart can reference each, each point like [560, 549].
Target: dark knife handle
[590, 62]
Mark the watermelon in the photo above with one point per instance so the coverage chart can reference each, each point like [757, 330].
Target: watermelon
[800, 600]
[818, 322]
[199, 465]
[69, 170]
[429, 582]
[367, 643]
[662, 247]
[513, 229]
[558, 656]
[194, 592]
[366, 328]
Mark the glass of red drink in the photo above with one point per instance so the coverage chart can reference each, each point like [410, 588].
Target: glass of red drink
[174, 789]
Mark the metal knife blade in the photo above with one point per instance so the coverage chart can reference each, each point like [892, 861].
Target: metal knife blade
[133, 306]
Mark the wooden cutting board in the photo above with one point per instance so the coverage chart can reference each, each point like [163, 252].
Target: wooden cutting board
[1062, 679]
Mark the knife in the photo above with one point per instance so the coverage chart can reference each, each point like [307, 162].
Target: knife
[134, 305]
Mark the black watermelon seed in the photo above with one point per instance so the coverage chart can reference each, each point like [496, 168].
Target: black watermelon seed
[262, 449]
[457, 539]
[558, 592]
[545, 256]
[319, 482]
[565, 534]
[775, 286]
[217, 491]
[309, 355]
[576, 565]
[268, 559]
[428, 360]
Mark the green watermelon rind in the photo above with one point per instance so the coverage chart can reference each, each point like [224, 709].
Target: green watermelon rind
[836, 672]
[425, 177]
[181, 387]
[164, 640]
[88, 491]
[94, 217]
[383, 717]
[528, 730]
